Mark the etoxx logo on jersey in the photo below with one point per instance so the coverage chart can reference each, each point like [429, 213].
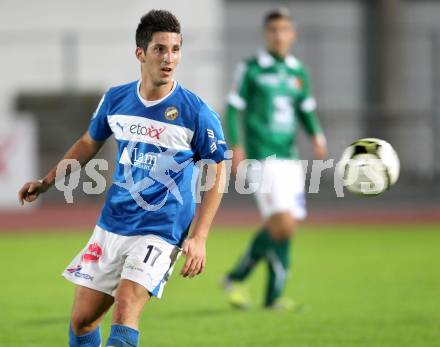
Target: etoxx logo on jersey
[149, 131]
[146, 130]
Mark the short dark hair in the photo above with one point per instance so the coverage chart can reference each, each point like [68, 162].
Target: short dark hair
[155, 21]
[277, 13]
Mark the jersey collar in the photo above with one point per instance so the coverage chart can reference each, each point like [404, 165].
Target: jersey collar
[148, 103]
[265, 60]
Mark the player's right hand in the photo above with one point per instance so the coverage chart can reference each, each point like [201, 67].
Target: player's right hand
[31, 190]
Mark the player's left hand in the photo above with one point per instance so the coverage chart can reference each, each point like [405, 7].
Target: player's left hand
[194, 249]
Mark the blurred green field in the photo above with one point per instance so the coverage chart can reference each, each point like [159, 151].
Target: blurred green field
[362, 286]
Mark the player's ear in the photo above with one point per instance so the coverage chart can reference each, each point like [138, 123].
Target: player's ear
[294, 33]
[140, 54]
[293, 38]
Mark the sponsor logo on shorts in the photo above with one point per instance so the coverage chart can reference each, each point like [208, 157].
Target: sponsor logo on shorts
[93, 253]
[76, 271]
[134, 266]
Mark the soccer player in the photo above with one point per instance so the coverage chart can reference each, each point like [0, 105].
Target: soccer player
[272, 94]
[161, 130]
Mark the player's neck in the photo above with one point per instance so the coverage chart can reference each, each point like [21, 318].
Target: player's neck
[151, 92]
[278, 55]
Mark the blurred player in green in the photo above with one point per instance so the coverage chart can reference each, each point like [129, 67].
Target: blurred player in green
[270, 96]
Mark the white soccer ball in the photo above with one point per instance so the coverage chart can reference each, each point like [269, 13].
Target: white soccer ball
[369, 166]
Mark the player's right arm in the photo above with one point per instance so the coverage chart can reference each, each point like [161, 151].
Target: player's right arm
[84, 149]
[237, 103]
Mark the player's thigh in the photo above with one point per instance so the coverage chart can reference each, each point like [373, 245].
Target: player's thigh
[149, 262]
[89, 308]
[281, 225]
[130, 299]
[281, 197]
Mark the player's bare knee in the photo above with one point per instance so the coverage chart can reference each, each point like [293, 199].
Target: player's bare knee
[127, 309]
[81, 324]
[275, 233]
[282, 226]
[123, 308]
[287, 228]
[288, 232]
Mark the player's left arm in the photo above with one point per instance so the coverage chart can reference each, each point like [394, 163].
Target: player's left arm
[306, 109]
[209, 145]
[194, 247]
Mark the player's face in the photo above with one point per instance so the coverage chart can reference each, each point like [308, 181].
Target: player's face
[160, 59]
[279, 35]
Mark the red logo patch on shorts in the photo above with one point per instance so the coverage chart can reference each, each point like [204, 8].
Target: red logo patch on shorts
[93, 253]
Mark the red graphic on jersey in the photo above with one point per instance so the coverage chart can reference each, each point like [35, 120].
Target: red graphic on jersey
[149, 131]
[4, 147]
[155, 133]
[93, 253]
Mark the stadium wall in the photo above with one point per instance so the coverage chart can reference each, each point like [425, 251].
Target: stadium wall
[87, 45]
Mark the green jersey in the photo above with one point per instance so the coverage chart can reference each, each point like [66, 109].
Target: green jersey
[273, 95]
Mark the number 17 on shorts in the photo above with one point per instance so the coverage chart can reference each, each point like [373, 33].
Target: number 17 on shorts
[108, 258]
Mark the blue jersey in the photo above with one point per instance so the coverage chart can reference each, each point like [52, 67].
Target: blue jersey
[157, 148]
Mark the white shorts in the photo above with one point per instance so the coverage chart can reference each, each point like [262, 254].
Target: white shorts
[281, 188]
[109, 257]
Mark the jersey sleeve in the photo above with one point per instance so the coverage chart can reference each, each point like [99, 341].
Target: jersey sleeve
[99, 128]
[306, 107]
[237, 102]
[232, 125]
[239, 94]
[209, 141]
